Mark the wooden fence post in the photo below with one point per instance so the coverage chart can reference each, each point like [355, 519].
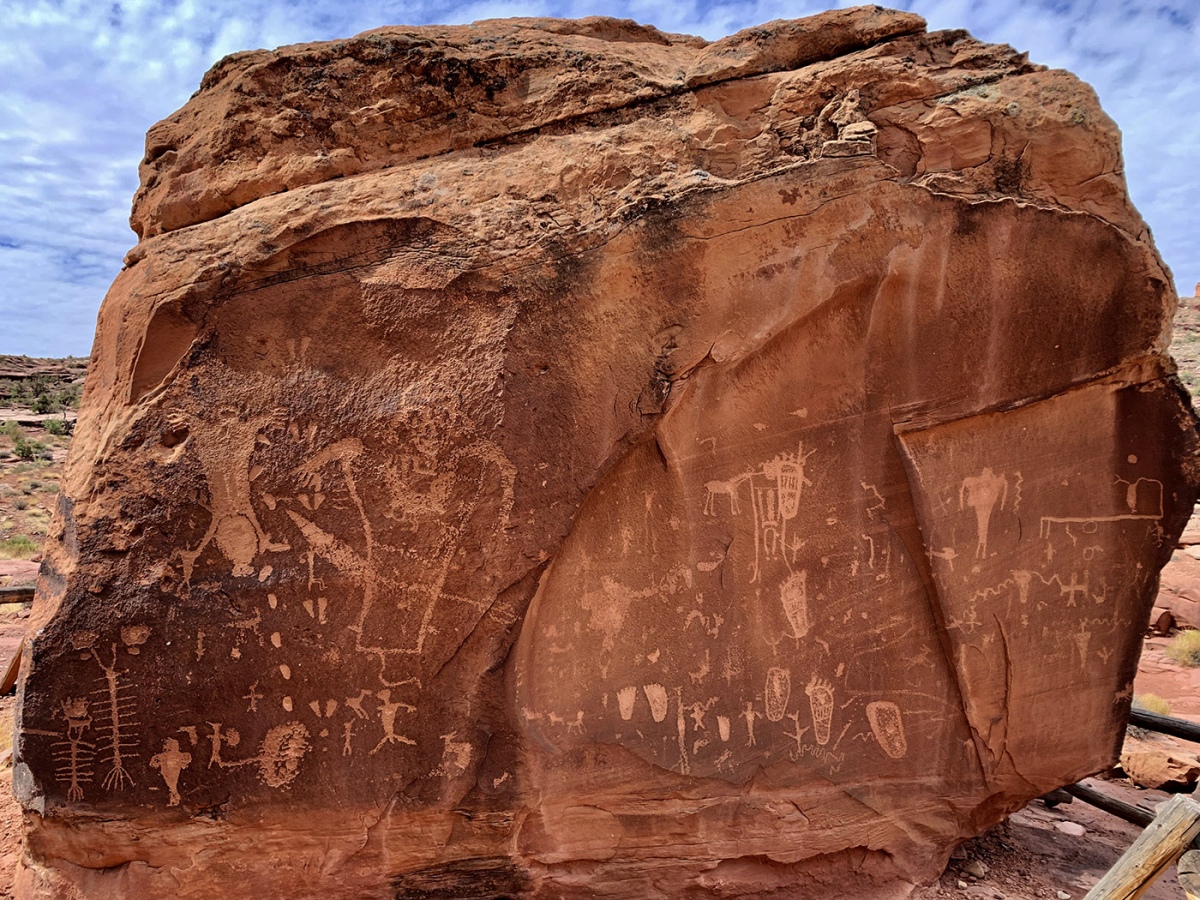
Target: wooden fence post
[1156, 849]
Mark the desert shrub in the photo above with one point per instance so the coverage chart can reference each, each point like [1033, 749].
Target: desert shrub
[17, 547]
[1151, 703]
[45, 403]
[1185, 649]
[21, 503]
[24, 449]
[10, 430]
[58, 427]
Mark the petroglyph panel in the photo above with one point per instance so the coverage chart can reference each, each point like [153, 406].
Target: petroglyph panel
[579, 512]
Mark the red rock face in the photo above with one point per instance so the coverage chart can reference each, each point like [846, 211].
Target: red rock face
[656, 468]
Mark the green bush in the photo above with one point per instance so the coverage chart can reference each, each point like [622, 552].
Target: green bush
[25, 449]
[1185, 649]
[17, 547]
[58, 427]
[45, 403]
[11, 430]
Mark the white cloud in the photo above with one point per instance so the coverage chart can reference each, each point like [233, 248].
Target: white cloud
[81, 82]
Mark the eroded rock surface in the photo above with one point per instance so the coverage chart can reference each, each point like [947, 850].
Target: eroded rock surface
[562, 459]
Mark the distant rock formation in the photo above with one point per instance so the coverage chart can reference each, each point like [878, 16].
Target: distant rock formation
[561, 459]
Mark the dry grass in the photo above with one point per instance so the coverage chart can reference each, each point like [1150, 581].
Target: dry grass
[1185, 649]
[1151, 703]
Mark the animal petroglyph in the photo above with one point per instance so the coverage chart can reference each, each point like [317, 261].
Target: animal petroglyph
[776, 693]
[888, 727]
[1144, 505]
[793, 594]
[820, 702]
[714, 489]
[982, 492]
[656, 694]
[171, 762]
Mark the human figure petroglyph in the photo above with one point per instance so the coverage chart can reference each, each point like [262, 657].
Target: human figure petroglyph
[697, 711]
[75, 755]
[749, 714]
[777, 691]
[982, 492]
[171, 762]
[253, 696]
[820, 702]
[387, 718]
[887, 725]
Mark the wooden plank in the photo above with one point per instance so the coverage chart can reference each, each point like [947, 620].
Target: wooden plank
[9, 681]
[1110, 804]
[1188, 871]
[1189, 731]
[1156, 849]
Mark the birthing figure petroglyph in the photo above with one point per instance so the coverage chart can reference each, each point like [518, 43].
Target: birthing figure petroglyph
[982, 492]
[888, 727]
[171, 762]
[387, 718]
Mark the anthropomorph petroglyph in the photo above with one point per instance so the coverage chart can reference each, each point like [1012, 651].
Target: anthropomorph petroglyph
[387, 718]
[74, 756]
[171, 762]
[982, 492]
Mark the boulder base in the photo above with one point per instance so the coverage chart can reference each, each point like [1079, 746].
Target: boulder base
[562, 459]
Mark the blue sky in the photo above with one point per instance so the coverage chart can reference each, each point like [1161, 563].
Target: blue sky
[81, 81]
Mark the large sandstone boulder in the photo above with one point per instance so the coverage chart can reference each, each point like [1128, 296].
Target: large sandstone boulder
[562, 459]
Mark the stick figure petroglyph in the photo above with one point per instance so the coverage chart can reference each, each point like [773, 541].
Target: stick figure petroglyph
[387, 717]
[750, 714]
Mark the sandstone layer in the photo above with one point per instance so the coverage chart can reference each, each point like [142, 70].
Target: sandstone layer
[562, 459]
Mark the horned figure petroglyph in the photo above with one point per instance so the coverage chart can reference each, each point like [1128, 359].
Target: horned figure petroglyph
[888, 727]
[171, 762]
[982, 492]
